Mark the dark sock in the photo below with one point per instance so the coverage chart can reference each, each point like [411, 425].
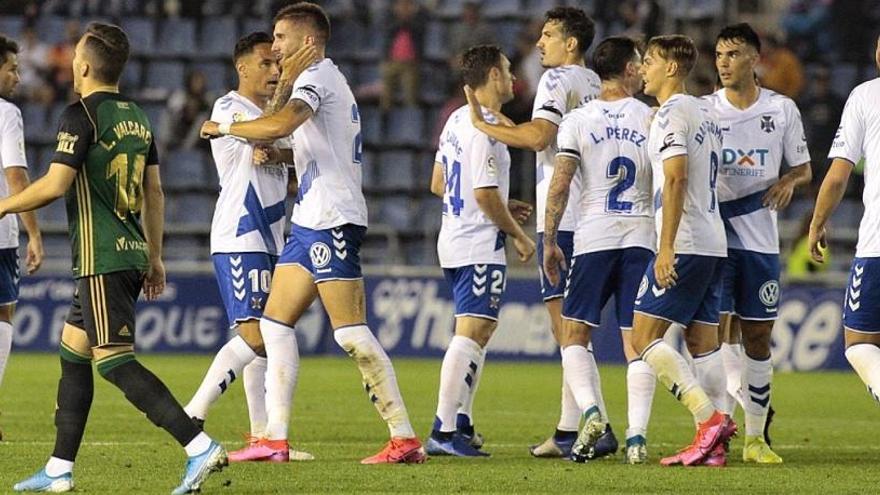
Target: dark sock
[75, 391]
[563, 435]
[147, 393]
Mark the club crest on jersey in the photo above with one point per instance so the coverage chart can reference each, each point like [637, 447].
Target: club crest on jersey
[767, 123]
[320, 254]
[769, 293]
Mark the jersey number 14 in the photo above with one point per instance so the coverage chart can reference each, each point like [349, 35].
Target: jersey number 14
[452, 174]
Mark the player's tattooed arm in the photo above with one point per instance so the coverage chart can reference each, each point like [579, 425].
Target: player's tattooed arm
[294, 113]
[281, 96]
[291, 67]
[557, 196]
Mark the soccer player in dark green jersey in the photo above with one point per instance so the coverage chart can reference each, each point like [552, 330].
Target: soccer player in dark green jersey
[106, 166]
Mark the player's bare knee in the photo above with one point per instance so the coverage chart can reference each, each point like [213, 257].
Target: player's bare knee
[479, 330]
[700, 339]
[250, 333]
[76, 340]
[109, 356]
[574, 333]
[7, 311]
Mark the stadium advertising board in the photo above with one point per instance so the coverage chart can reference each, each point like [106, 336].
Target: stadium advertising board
[413, 316]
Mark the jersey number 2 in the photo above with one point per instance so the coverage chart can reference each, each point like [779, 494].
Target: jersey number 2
[626, 178]
[129, 193]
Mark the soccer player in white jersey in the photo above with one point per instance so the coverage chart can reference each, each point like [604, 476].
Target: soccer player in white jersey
[858, 137]
[605, 142]
[682, 284]
[247, 234]
[472, 175]
[13, 180]
[321, 257]
[565, 38]
[760, 128]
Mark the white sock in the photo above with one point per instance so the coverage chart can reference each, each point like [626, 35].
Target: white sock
[455, 374]
[226, 367]
[255, 392]
[576, 370]
[378, 376]
[640, 385]
[467, 408]
[596, 381]
[197, 445]
[756, 383]
[673, 372]
[570, 417]
[711, 376]
[282, 367]
[865, 359]
[56, 467]
[5, 346]
[733, 356]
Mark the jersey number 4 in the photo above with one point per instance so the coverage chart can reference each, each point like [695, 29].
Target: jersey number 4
[452, 174]
[624, 170]
[129, 193]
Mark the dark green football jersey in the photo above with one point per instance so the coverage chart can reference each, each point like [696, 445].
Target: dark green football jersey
[109, 140]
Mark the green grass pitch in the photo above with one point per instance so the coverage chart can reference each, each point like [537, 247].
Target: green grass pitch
[824, 431]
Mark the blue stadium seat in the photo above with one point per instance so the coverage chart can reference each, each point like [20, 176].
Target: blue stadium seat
[131, 76]
[370, 45]
[11, 26]
[349, 70]
[185, 247]
[177, 37]
[217, 75]
[371, 124]
[843, 78]
[502, 8]
[507, 33]
[195, 209]
[536, 8]
[50, 29]
[218, 36]
[406, 126]
[55, 212]
[154, 114]
[368, 169]
[346, 38]
[54, 117]
[434, 87]
[183, 169]
[165, 75]
[430, 215]
[396, 170]
[368, 73]
[34, 117]
[436, 42]
[848, 214]
[397, 211]
[141, 34]
[449, 8]
[420, 252]
[254, 24]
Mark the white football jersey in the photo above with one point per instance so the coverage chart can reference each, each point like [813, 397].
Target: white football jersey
[561, 90]
[615, 205]
[249, 215]
[327, 151]
[470, 160]
[11, 155]
[687, 125]
[859, 137]
[756, 140]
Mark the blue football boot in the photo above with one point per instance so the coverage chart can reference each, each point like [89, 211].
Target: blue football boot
[42, 482]
[199, 467]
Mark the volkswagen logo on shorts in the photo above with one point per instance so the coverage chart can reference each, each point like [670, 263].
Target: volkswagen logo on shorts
[769, 293]
[643, 287]
[320, 254]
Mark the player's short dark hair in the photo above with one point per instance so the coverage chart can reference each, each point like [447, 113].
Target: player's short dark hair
[741, 32]
[575, 22]
[477, 62]
[108, 45]
[7, 46]
[246, 44]
[307, 12]
[612, 55]
[675, 47]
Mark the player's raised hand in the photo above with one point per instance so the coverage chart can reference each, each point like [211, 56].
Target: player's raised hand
[818, 244]
[34, 255]
[525, 247]
[154, 283]
[297, 62]
[779, 195]
[210, 130]
[502, 119]
[474, 105]
[519, 210]
[664, 268]
[554, 263]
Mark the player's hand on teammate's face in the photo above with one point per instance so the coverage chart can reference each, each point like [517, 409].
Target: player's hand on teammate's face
[210, 129]
[297, 62]
[474, 105]
[664, 268]
[554, 263]
[525, 247]
[154, 283]
[519, 210]
[779, 195]
[34, 255]
[818, 244]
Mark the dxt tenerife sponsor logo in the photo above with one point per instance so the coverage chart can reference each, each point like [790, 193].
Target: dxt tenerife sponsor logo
[751, 162]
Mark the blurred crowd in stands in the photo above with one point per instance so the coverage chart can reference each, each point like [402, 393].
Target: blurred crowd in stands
[401, 58]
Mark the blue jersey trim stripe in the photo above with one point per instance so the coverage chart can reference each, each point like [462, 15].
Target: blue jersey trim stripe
[744, 205]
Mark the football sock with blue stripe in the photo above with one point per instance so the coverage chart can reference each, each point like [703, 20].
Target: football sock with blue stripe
[225, 369]
[460, 363]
